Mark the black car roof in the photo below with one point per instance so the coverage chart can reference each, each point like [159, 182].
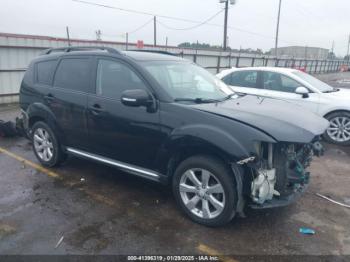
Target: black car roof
[147, 55]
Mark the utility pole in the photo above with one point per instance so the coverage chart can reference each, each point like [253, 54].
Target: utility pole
[332, 54]
[68, 38]
[278, 27]
[232, 2]
[166, 43]
[155, 30]
[225, 25]
[126, 41]
[347, 53]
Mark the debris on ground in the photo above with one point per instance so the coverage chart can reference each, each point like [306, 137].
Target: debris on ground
[7, 129]
[6, 230]
[12, 129]
[333, 201]
[307, 231]
[59, 242]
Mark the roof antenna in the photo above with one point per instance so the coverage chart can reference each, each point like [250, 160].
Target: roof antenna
[67, 30]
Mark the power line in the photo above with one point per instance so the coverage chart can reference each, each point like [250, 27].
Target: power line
[136, 11]
[130, 32]
[192, 27]
[140, 27]
[177, 19]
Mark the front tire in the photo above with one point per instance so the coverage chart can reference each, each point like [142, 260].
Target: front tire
[46, 146]
[339, 130]
[205, 190]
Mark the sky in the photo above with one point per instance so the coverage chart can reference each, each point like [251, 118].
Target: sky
[252, 23]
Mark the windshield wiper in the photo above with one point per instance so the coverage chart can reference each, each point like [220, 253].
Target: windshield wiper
[229, 96]
[331, 91]
[197, 100]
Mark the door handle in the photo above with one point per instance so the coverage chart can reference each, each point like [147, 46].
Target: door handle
[96, 109]
[49, 97]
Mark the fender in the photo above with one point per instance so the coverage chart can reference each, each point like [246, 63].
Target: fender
[207, 139]
[39, 110]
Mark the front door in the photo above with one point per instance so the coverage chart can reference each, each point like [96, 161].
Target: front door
[277, 85]
[126, 134]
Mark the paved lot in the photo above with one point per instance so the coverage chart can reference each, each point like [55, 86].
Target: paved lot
[114, 213]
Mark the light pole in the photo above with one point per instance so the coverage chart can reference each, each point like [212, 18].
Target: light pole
[155, 30]
[232, 2]
[347, 53]
[278, 26]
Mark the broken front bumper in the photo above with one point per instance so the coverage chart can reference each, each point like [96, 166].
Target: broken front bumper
[282, 201]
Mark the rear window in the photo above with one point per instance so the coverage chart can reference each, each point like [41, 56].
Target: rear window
[73, 74]
[244, 79]
[45, 72]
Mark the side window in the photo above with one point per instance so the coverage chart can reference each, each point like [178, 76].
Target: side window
[114, 77]
[44, 72]
[227, 79]
[278, 82]
[74, 74]
[244, 79]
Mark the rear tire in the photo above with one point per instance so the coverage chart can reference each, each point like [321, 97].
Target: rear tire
[46, 146]
[339, 129]
[205, 190]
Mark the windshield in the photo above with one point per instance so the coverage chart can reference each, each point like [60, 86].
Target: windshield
[186, 81]
[318, 84]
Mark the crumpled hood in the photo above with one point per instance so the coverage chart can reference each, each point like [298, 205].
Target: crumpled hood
[282, 120]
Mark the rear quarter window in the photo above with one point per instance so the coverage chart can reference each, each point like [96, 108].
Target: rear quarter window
[45, 71]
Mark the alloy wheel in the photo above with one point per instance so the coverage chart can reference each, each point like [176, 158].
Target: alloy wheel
[43, 144]
[202, 193]
[339, 129]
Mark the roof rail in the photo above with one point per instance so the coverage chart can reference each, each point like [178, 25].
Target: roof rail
[154, 51]
[79, 48]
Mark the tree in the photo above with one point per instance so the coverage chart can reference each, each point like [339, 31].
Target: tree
[219, 47]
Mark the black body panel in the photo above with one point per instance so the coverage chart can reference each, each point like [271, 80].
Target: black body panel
[281, 120]
[151, 138]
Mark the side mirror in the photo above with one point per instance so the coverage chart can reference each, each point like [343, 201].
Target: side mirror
[302, 91]
[136, 97]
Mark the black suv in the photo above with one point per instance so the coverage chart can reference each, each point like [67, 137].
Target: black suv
[166, 119]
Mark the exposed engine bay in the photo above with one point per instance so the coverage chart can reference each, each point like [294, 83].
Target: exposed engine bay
[281, 170]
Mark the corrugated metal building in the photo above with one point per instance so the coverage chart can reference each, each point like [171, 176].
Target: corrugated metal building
[302, 52]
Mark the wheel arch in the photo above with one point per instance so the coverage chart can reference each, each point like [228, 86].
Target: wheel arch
[336, 111]
[183, 152]
[40, 112]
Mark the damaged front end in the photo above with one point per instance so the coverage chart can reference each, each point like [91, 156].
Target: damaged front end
[278, 174]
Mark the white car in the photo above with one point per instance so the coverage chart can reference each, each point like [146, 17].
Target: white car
[300, 88]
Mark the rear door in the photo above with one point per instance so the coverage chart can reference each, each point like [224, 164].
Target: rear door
[277, 85]
[244, 82]
[127, 134]
[67, 98]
